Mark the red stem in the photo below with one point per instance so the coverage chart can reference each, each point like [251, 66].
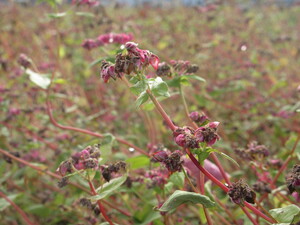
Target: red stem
[18, 209]
[249, 216]
[102, 209]
[197, 164]
[53, 121]
[223, 187]
[222, 171]
[285, 164]
[59, 177]
[162, 111]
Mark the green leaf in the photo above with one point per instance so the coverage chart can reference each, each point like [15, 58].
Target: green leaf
[203, 154]
[181, 197]
[106, 146]
[4, 204]
[145, 215]
[177, 179]
[138, 162]
[175, 82]
[40, 80]
[109, 188]
[85, 14]
[56, 15]
[60, 81]
[229, 158]
[74, 173]
[194, 77]
[141, 99]
[288, 214]
[159, 87]
[139, 87]
[168, 187]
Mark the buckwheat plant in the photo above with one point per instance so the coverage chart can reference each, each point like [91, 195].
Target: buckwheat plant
[195, 139]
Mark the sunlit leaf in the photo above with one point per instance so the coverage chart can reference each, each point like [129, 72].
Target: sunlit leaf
[182, 197]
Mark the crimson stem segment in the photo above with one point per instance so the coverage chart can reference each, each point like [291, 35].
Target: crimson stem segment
[223, 187]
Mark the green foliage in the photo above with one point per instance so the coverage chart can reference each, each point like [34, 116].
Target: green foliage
[184, 80]
[138, 162]
[182, 197]
[288, 214]
[109, 188]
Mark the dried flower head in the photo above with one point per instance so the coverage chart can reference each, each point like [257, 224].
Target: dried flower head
[63, 182]
[253, 152]
[197, 118]
[158, 177]
[293, 179]
[261, 187]
[24, 60]
[86, 159]
[163, 70]
[208, 133]
[240, 192]
[107, 171]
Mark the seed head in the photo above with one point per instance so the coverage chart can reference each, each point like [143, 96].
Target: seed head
[240, 192]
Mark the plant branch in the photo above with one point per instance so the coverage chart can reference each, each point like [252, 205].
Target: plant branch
[88, 132]
[59, 177]
[162, 111]
[18, 209]
[102, 209]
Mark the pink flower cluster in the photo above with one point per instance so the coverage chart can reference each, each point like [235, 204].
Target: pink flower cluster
[135, 60]
[190, 138]
[184, 67]
[197, 118]
[86, 159]
[34, 155]
[144, 57]
[172, 161]
[104, 39]
[158, 177]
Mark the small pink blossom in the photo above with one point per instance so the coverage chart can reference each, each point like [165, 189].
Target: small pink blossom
[180, 140]
[14, 112]
[104, 39]
[143, 57]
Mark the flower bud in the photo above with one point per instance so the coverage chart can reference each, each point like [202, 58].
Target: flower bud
[24, 60]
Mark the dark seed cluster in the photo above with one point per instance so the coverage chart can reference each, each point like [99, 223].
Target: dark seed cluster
[107, 171]
[293, 179]
[240, 192]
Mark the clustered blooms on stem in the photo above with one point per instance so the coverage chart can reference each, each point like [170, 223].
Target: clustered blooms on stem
[158, 176]
[253, 152]
[180, 67]
[293, 179]
[86, 159]
[189, 138]
[261, 187]
[134, 60]
[105, 39]
[240, 192]
[197, 118]
[172, 161]
[107, 171]
[88, 204]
